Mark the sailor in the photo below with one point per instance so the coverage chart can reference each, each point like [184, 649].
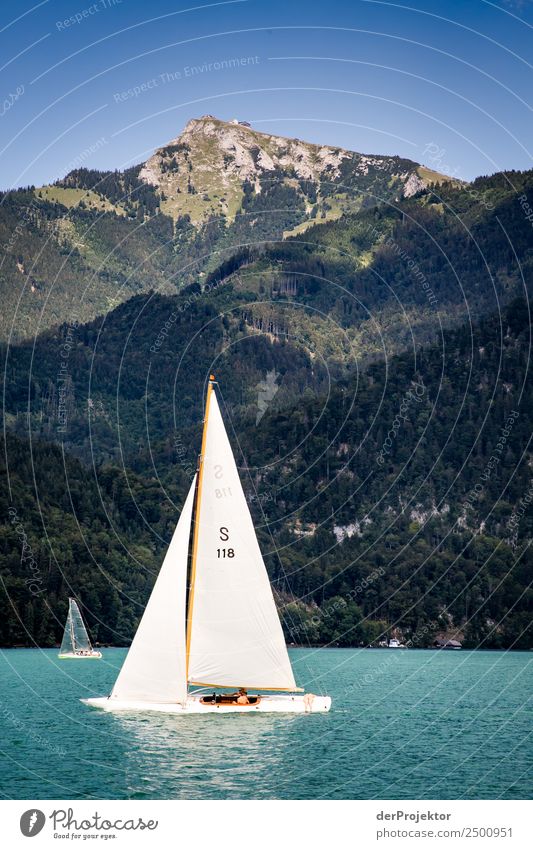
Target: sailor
[242, 698]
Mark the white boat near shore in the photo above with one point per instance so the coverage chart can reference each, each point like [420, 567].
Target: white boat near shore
[395, 644]
[226, 633]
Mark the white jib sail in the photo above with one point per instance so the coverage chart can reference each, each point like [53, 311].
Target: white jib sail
[236, 638]
[75, 637]
[154, 669]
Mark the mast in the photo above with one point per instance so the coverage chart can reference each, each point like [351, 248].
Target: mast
[197, 525]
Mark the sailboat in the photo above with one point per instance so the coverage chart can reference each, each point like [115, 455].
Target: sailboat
[225, 632]
[76, 643]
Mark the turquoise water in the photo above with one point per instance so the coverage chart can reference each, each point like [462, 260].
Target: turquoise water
[404, 724]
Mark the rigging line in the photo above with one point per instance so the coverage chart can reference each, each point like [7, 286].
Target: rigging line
[291, 620]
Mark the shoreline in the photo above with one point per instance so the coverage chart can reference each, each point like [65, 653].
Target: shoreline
[322, 647]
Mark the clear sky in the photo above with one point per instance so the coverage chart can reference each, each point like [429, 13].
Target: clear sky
[104, 82]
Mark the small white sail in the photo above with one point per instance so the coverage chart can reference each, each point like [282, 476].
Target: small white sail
[75, 637]
[154, 669]
[235, 638]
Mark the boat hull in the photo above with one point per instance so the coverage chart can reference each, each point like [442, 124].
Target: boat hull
[71, 656]
[267, 704]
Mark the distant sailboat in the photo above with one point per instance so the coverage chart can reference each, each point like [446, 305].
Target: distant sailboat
[76, 643]
[227, 633]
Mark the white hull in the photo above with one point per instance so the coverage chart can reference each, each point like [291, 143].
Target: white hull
[267, 704]
[95, 655]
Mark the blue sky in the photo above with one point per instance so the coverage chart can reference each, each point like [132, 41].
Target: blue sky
[103, 83]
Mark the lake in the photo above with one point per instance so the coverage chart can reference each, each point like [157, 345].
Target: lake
[404, 725]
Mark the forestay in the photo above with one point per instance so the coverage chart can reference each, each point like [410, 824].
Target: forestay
[235, 638]
[154, 669]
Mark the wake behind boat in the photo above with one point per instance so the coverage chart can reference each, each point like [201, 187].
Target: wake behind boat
[227, 632]
[76, 644]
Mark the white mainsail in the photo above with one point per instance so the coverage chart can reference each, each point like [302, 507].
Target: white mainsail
[75, 637]
[235, 637]
[154, 669]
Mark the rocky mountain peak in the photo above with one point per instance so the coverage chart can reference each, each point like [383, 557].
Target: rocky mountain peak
[203, 171]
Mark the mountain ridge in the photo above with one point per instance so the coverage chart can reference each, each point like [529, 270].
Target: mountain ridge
[236, 153]
[94, 239]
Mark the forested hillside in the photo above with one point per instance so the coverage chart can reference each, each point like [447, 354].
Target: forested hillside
[355, 291]
[64, 533]
[395, 502]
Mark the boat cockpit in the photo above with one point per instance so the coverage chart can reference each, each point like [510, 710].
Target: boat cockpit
[228, 699]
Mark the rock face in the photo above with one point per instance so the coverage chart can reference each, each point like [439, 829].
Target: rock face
[208, 168]
[219, 185]
[413, 184]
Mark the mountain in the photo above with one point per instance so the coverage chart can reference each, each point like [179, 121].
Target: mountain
[394, 503]
[370, 332]
[311, 311]
[219, 168]
[78, 248]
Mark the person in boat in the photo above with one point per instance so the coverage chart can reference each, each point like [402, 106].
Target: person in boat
[242, 697]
